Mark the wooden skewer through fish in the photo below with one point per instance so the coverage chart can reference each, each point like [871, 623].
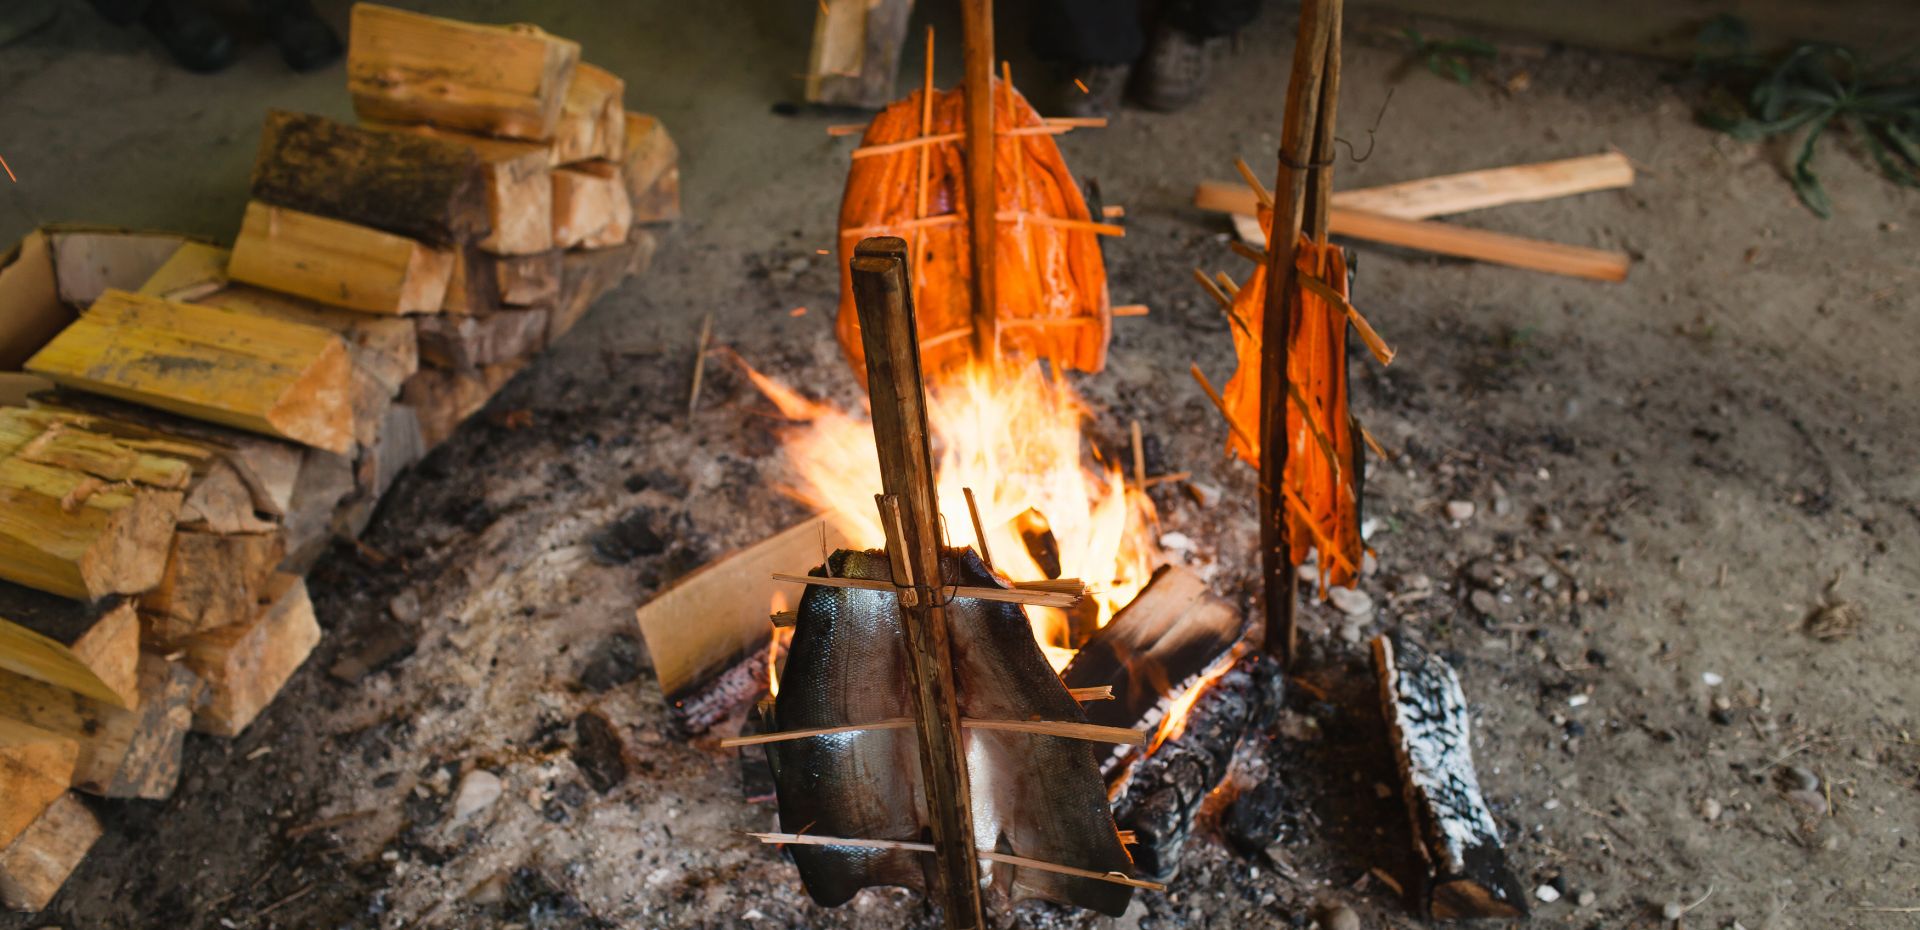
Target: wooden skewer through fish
[1067, 728]
[1097, 693]
[1002, 595]
[805, 839]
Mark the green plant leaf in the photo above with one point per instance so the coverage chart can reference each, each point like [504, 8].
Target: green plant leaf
[1805, 182]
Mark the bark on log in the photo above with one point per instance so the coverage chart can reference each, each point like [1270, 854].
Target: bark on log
[414, 186]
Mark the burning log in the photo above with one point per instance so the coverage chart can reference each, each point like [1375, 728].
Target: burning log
[1467, 872]
[1162, 794]
[1156, 649]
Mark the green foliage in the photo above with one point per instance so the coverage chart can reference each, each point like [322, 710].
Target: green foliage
[1449, 58]
[1810, 89]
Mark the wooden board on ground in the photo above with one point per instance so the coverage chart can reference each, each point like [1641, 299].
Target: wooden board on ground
[212, 580]
[123, 753]
[593, 117]
[519, 191]
[35, 768]
[1445, 195]
[338, 263]
[856, 51]
[38, 861]
[245, 666]
[502, 81]
[91, 648]
[280, 379]
[591, 208]
[708, 621]
[420, 187]
[1454, 832]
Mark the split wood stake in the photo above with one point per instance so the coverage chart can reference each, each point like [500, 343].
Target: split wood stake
[976, 40]
[699, 364]
[979, 531]
[1218, 402]
[883, 298]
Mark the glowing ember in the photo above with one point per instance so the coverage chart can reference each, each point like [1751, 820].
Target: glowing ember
[1015, 440]
[1175, 722]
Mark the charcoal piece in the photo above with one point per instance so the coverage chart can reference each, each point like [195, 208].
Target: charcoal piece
[627, 538]
[1457, 839]
[598, 752]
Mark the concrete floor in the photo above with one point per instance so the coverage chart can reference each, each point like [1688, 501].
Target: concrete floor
[1715, 438]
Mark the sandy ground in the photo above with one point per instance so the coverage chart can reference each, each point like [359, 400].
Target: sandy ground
[1668, 475]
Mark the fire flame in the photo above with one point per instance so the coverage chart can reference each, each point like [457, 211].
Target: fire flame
[1014, 437]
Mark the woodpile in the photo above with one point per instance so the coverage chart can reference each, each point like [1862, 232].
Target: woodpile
[184, 428]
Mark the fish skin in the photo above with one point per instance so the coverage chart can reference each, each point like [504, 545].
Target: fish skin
[1034, 795]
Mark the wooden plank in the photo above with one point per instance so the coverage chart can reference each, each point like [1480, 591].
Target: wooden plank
[650, 166]
[91, 648]
[194, 270]
[591, 208]
[35, 768]
[707, 621]
[212, 580]
[1449, 194]
[592, 117]
[519, 191]
[1456, 836]
[910, 509]
[266, 376]
[71, 534]
[37, 863]
[499, 81]
[123, 753]
[420, 187]
[79, 443]
[1479, 244]
[245, 666]
[338, 263]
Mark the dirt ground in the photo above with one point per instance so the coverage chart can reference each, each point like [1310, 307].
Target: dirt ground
[1669, 476]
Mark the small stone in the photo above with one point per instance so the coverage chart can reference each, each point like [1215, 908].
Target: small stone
[1459, 511]
[1547, 894]
[1672, 910]
[1339, 917]
[1711, 679]
[1485, 603]
[1710, 810]
[1350, 601]
[1368, 564]
[1586, 897]
[1307, 572]
[478, 790]
[405, 606]
[1797, 778]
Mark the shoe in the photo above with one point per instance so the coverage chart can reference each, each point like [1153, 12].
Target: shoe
[1094, 90]
[1174, 71]
[196, 40]
[305, 40]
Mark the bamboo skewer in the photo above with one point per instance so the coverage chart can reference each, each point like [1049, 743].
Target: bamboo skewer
[782, 736]
[1049, 125]
[1219, 403]
[1001, 595]
[1098, 693]
[1375, 344]
[699, 364]
[802, 839]
[979, 531]
[1004, 216]
[1067, 728]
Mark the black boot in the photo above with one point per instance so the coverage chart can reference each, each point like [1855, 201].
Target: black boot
[197, 41]
[305, 40]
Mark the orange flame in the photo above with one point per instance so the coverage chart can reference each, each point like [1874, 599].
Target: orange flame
[1175, 722]
[1015, 439]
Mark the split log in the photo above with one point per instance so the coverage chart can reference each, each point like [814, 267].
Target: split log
[415, 186]
[1155, 649]
[382, 346]
[1458, 841]
[443, 399]
[473, 289]
[324, 480]
[467, 342]
[856, 51]
[281, 379]
[529, 280]
[245, 666]
[83, 444]
[220, 502]
[35, 768]
[592, 118]
[213, 580]
[89, 648]
[1162, 795]
[37, 863]
[398, 446]
[123, 753]
[193, 271]
[590, 206]
[338, 263]
[650, 165]
[519, 190]
[706, 632]
[71, 534]
[500, 81]
[585, 275]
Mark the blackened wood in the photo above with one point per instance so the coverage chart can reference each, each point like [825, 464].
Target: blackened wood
[1289, 192]
[1165, 792]
[1426, 712]
[424, 188]
[983, 195]
[884, 298]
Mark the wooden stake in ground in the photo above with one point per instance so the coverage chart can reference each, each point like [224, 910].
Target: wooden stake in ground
[1297, 150]
[887, 328]
[976, 38]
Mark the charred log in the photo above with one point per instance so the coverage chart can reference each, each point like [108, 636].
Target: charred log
[1457, 839]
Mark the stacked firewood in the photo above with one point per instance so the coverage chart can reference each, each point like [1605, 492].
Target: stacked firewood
[195, 424]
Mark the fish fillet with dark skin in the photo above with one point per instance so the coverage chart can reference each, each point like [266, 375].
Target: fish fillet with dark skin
[1034, 795]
